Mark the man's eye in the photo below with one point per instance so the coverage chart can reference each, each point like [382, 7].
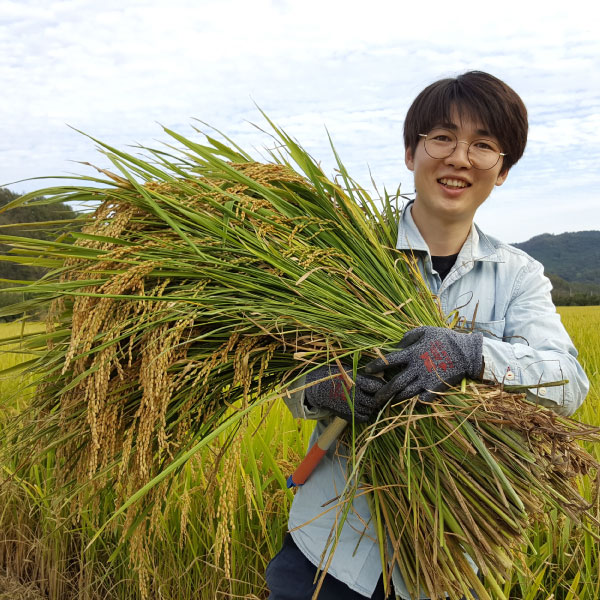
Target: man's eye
[441, 138]
[483, 145]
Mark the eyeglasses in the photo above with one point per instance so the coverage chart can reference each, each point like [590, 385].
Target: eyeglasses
[482, 154]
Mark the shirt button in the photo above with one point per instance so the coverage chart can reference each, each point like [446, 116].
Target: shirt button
[542, 391]
[510, 375]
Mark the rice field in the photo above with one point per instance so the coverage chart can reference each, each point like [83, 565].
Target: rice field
[218, 526]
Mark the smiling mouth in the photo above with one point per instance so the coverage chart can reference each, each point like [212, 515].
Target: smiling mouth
[453, 183]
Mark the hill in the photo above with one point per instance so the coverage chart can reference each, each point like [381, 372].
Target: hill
[38, 221]
[574, 257]
[572, 262]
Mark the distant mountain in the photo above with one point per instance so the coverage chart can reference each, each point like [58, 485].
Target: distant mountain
[572, 261]
[39, 221]
[572, 256]
[30, 220]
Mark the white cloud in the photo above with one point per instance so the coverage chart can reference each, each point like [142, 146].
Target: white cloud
[114, 70]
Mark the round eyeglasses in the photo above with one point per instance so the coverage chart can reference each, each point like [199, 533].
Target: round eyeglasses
[482, 153]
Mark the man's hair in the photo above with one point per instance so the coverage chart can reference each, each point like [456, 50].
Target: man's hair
[478, 96]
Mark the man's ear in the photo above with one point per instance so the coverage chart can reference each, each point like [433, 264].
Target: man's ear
[502, 177]
[409, 160]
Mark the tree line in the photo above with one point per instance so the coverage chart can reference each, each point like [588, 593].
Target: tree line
[32, 220]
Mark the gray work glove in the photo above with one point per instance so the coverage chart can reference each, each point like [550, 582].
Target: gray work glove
[335, 395]
[428, 359]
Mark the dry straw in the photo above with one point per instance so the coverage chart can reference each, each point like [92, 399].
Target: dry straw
[201, 285]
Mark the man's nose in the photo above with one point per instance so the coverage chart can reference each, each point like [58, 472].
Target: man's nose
[460, 156]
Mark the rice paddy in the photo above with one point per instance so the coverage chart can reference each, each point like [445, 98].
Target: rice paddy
[222, 524]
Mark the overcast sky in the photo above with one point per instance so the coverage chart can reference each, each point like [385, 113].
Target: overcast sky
[115, 69]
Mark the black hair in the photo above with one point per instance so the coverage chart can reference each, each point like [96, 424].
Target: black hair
[478, 96]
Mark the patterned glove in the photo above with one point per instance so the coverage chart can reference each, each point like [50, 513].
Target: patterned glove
[429, 359]
[335, 395]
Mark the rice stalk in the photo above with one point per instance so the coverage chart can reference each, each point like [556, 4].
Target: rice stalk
[200, 286]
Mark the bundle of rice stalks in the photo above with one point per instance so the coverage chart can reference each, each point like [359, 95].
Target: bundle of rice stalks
[203, 284]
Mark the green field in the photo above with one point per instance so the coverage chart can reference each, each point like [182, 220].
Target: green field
[218, 527]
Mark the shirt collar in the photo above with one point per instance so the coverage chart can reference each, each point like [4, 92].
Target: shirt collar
[409, 236]
[476, 247]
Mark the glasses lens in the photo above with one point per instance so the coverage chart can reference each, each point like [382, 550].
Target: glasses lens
[484, 154]
[440, 143]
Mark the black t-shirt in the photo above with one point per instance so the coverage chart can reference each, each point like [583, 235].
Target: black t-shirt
[443, 264]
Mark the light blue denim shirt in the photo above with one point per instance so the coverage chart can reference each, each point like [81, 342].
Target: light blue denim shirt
[504, 293]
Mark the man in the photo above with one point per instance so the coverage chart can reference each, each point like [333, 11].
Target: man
[461, 138]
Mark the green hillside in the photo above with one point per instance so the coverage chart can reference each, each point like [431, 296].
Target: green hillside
[40, 221]
[572, 261]
[574, 257]
[32, 221]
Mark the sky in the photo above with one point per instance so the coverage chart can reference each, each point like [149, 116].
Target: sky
[120, 70]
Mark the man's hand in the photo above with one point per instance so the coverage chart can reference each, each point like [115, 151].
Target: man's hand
[428, 359]
[337, 395]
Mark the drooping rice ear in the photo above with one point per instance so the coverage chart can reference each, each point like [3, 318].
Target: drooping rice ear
[198, 285]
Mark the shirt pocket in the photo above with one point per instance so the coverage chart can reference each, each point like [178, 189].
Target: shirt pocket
[491, 329]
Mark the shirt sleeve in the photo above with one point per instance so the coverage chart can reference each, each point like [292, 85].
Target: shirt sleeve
[293, 396]
[536, 349]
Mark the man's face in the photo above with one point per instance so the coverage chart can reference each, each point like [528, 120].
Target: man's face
[450, 190]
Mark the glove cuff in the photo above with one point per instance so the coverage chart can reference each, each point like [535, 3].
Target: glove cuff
[471, 344]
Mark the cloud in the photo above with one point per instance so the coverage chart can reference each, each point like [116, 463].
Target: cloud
[116, 69]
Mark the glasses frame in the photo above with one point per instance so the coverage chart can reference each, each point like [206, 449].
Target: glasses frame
[469, 144]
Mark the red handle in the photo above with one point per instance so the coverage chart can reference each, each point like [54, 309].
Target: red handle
[316, 453]
[306, 467]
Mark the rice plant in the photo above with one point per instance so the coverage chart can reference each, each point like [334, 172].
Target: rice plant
[199, 288]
